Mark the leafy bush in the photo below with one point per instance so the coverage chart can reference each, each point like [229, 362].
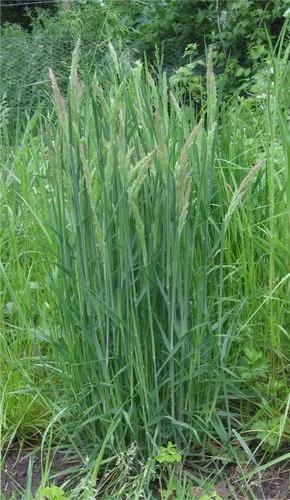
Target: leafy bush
[236, 29]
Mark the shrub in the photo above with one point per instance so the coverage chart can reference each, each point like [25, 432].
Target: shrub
[236, 29]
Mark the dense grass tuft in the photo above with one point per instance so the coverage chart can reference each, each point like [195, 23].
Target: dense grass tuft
[145, 269]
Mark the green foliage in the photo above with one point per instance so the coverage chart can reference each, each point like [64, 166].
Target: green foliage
[236, 29]
[188, 79]
[212, 496]
[170, 490]
[51, 493]
[267, 431]
[168, 455]
[254, 365]
[26, 55]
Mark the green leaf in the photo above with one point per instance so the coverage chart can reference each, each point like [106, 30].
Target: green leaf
[52, 493]
[169, 454]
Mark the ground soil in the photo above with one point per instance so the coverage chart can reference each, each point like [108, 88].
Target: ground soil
[14, 472]
[272, 484]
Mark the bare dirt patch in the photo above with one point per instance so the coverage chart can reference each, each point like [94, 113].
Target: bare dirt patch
[272, 484]
[14, 472]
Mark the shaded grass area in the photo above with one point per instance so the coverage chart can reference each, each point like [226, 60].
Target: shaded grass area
[145, 281]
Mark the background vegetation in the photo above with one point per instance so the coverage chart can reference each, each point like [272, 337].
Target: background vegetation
[182, 30]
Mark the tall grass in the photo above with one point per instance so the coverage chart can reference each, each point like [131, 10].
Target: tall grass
[145, 266]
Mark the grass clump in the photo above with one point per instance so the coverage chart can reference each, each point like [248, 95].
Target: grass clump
[154, 236]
